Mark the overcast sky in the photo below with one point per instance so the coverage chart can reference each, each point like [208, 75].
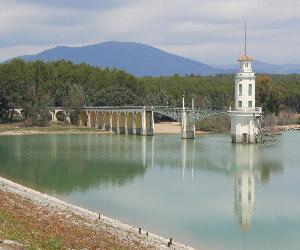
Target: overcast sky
[210, 31]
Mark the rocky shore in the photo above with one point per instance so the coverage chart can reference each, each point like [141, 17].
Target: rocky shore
[288, 127]
[75, 227]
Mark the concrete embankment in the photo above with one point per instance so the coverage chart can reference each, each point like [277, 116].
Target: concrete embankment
[123, 232]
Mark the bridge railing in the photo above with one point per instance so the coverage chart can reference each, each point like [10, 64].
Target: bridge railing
[117, 107]
[154, 108]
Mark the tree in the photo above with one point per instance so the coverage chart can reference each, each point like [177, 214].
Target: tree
[275, 99]
[36, 107]
[74, 101]
[268, 95]
[262, 92]
[116, 95]
[61, 82]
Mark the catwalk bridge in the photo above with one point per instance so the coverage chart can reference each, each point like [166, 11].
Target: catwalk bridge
[137, 120]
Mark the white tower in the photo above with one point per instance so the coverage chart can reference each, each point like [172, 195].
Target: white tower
[243, 126]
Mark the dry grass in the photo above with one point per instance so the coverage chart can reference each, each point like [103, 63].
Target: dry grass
[40, 228]
[19, 129]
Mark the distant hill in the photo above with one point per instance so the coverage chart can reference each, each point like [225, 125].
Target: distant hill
[143, 60]
[266, 68]
[135, 58]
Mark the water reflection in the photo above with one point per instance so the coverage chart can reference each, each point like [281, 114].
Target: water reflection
[95, 160]
[209, 183]
[246, 163]
[66, 163]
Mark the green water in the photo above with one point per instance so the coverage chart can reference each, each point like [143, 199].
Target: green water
[205, 192]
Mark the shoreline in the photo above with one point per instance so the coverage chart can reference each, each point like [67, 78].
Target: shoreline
[288, 127]
[123, 232]
[159, 128]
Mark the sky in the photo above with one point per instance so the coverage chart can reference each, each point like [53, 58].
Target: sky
[209, 31]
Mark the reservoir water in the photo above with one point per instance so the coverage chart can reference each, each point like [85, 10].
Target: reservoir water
[206, 192]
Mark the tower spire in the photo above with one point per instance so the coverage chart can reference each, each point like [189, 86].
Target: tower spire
[245, 38]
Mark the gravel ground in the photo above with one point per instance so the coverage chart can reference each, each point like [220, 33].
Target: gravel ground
[10, 245]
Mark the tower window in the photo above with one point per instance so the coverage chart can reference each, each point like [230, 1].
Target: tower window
[240, 89]
[240, 104]
[249, 196]
[250, 90]
[250, 104]
[240, 181]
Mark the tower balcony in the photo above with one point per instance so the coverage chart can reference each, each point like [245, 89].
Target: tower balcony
[255, 110]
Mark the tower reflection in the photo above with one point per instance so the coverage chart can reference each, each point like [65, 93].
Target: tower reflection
[251, 166]
[245, 162]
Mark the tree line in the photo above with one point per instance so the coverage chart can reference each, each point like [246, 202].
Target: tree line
[37, 86]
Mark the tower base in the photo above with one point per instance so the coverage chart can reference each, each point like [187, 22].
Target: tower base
[244, 138]
[243, 126]
[187, 134]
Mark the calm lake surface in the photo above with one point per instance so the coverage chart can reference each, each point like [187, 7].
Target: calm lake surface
[205, 192]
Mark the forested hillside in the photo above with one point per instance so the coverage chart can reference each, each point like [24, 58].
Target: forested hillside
[36, 86]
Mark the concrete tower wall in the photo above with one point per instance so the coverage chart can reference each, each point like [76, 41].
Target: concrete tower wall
[243, 128]
[244, 90]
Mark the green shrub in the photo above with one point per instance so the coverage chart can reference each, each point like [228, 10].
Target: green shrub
[220, 123]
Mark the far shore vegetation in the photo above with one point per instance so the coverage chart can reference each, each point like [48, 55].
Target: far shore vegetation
[38, 86]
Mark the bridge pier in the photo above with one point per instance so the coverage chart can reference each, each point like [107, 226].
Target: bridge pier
[148, 123]
[53, 115]
[89, 120]
[187, 124]
[68, 120]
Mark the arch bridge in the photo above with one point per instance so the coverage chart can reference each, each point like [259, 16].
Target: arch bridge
[137, 120]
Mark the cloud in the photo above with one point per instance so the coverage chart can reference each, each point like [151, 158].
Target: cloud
[208, 31]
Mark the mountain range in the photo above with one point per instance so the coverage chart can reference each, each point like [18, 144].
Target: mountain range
[144, 60]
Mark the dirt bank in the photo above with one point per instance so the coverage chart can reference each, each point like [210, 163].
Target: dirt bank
[170, 128]
[37, 220]
[19, 129]
[159, 128]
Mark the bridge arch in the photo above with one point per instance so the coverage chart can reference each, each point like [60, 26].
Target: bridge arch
[59, 115]
[93, 119]
[100, 120]
[122, 123]
[130, 123]
[138, 123]
[107, 124]
[114, 121]
[83, 118]
[72, 120]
